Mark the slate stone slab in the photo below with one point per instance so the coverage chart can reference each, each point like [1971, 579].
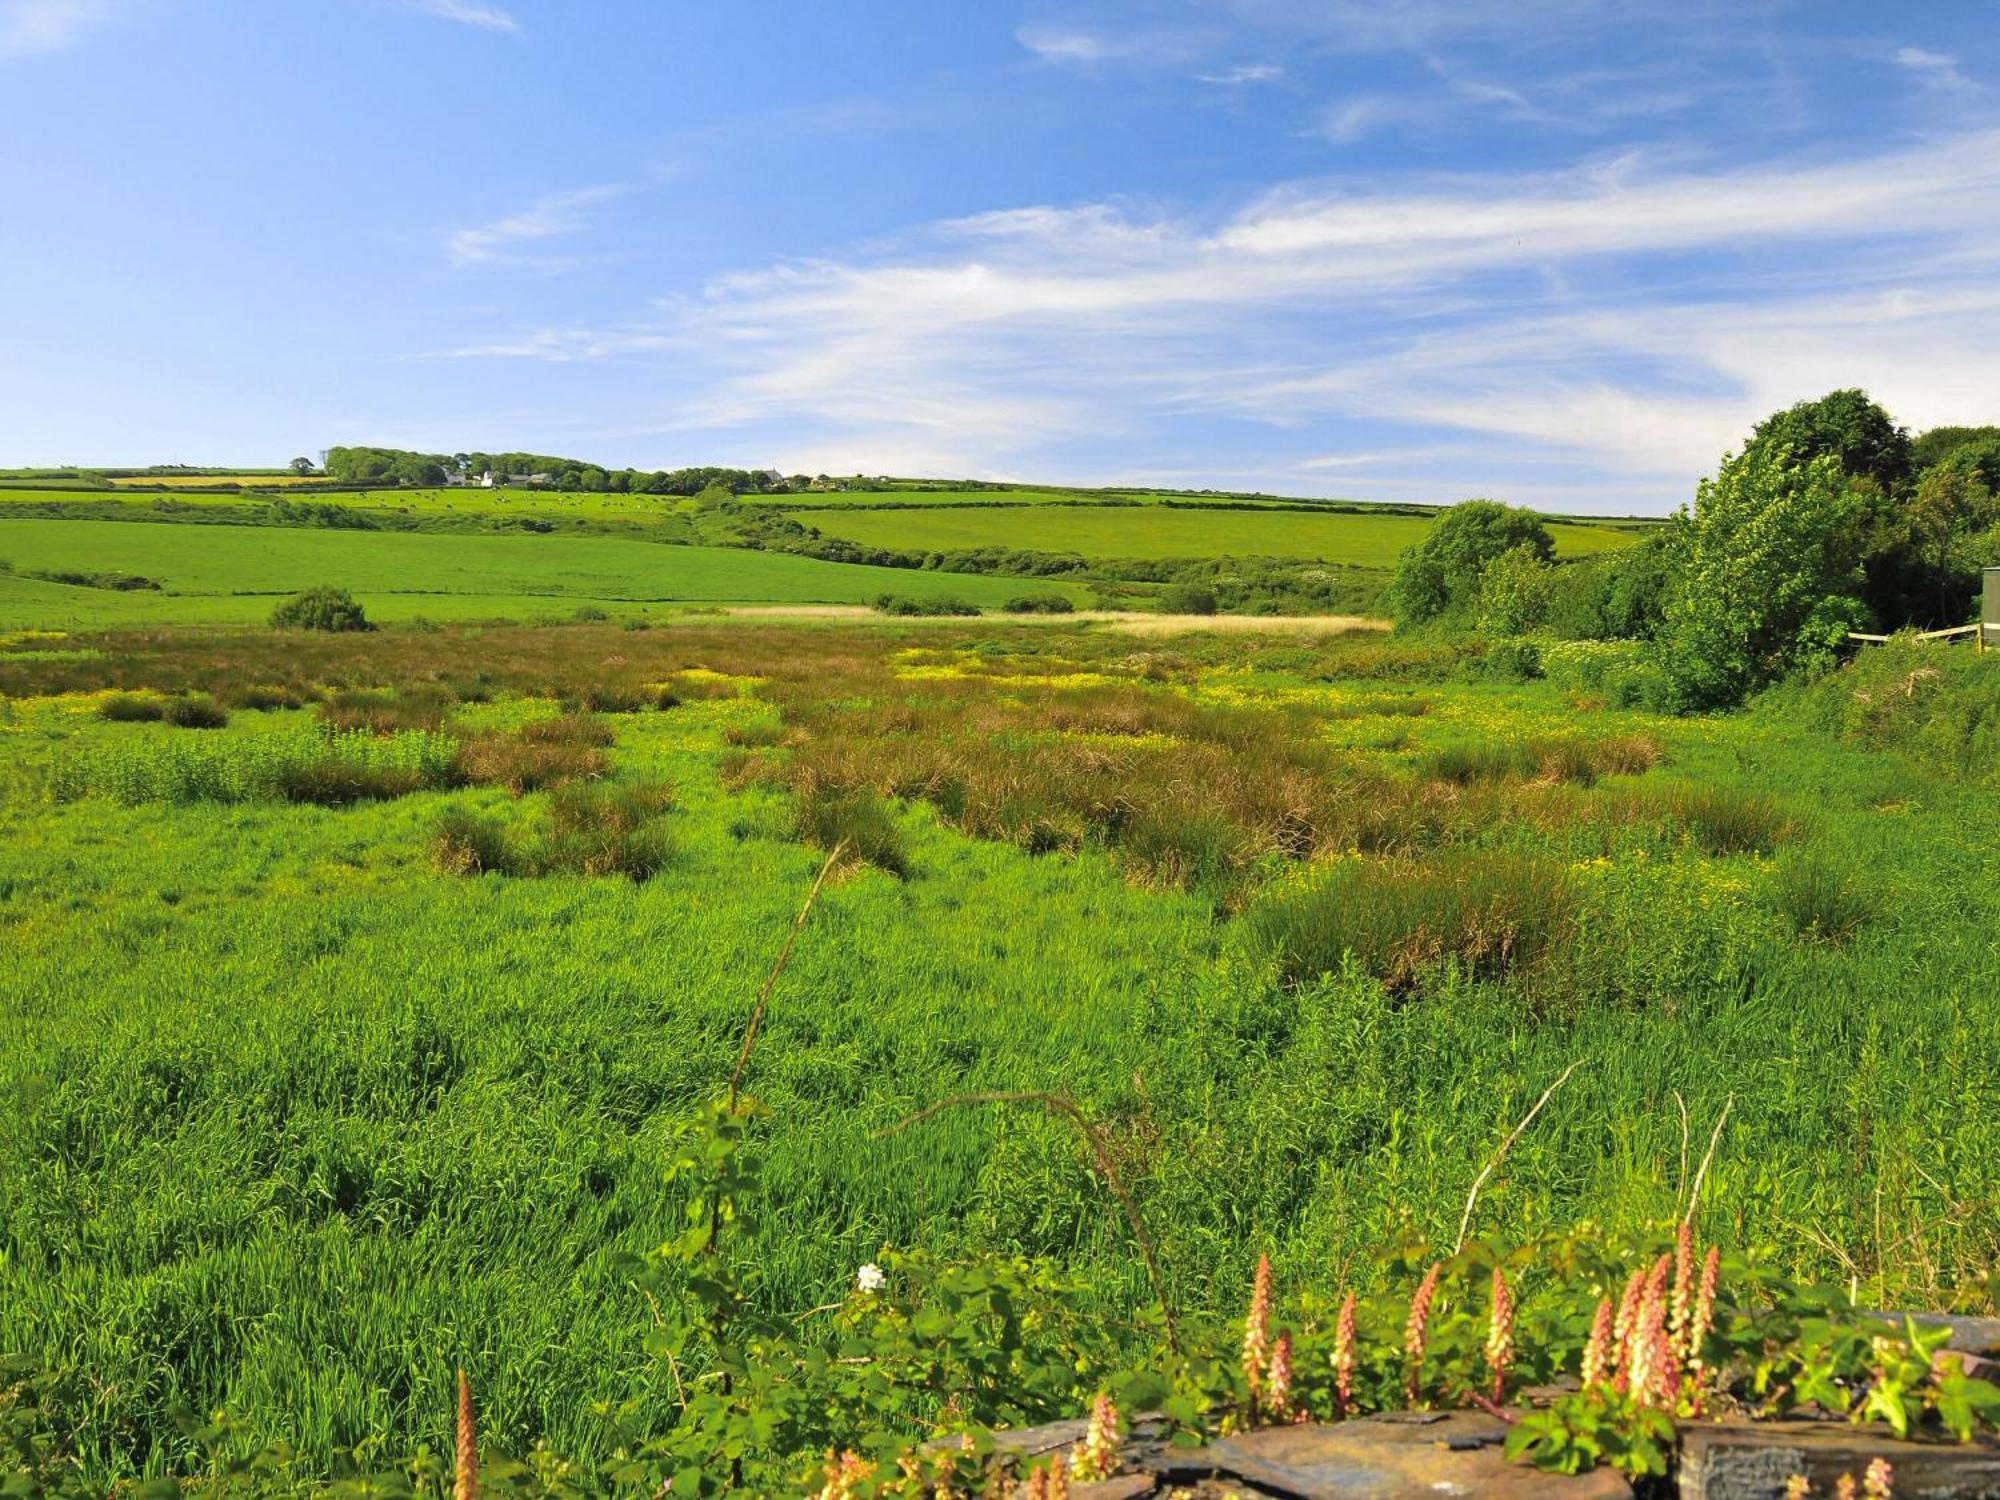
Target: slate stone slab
[1417, 1457]
[1753, 1461]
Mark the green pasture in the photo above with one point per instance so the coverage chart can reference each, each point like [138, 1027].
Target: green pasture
[1355, 539]
[234, 573]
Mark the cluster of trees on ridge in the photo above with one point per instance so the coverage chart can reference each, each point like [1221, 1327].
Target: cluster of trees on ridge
[1831, 519]
[402, 467]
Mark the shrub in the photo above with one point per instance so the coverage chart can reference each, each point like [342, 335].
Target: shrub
[1820, 901]
[830, 815]
[942, 604]
[1039, 604]
[1188, 599]
[321, 608]
[1506, 661]
[1589, 666]
[464, 843]
[195, 713]
[588, 614]
[131, 708]
[1398, 920]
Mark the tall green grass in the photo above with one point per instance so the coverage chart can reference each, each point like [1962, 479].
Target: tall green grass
[300, 1122]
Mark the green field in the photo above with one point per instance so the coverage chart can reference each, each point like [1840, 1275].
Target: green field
[300, 1118]
[232, 573]
[1354, 539]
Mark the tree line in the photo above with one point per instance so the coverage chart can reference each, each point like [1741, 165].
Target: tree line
[399, 466]
[1831, 519]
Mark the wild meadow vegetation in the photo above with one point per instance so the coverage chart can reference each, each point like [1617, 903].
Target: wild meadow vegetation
[356, 1017]
[747, 1048]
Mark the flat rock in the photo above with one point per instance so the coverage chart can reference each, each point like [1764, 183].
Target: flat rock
[1402, 1457]
[1752, 1461]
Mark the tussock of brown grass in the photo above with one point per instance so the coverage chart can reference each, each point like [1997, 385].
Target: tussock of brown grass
[522, 765]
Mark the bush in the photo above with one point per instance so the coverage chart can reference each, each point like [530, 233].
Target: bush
[1039, 604]
[131, 708]
[1506, 661]
[321, 608]
[195, 713]
[1188, 599]
[943, 604]
[1398, 920]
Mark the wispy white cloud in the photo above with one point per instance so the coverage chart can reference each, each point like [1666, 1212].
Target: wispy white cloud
[1242, 74]
[1058, 45]
[470, 13]
[1939, 69]
[1460, 310]
[546, 218]
[30, 26]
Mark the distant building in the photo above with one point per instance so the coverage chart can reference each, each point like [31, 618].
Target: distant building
[771, 477]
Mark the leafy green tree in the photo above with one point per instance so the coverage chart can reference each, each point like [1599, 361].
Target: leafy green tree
[1635, 598]
[1940, 443]
[1515, 592]
[1861, 437]
[1767, 577]
[1439, 577]
[1951, 502]
[301, 466]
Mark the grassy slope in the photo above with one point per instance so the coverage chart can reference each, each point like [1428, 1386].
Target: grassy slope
[1367, 541]
[413, 573]
[281, 1088]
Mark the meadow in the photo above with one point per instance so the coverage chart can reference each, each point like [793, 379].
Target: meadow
[1351, 538]
[233, 574]
[347, 1040]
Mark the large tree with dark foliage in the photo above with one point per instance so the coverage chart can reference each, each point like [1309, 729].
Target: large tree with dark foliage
[1861, 437]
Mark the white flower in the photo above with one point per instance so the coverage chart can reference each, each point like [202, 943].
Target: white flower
[870, 1278]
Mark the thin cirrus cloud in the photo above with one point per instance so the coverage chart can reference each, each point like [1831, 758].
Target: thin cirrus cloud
[31, 26]
[550, 217]
[1462, 314]
[470, 13]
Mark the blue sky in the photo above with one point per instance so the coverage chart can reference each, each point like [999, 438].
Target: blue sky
[1560, 252]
